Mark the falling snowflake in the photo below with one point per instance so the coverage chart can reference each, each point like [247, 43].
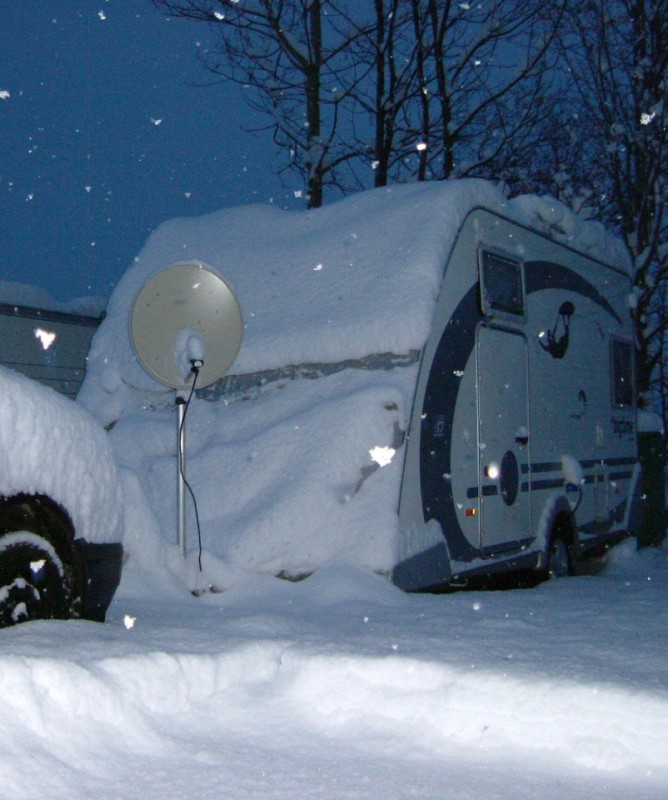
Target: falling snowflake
[4, 94]
[129, 621]
[47, 338]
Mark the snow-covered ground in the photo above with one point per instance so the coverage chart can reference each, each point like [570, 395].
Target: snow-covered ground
[340, 687]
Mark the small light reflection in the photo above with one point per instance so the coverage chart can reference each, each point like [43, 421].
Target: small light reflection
[493, 470]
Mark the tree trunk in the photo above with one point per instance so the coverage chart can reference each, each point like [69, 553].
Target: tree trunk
[314, 153]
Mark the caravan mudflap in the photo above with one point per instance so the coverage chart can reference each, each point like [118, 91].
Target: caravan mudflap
[634, 506]
[432, 569]
[424, 570]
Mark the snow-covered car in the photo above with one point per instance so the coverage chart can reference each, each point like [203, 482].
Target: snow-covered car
[61, 507]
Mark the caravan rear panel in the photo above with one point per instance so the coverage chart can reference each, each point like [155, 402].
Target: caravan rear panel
[524, 412]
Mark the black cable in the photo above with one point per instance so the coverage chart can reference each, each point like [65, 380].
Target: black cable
[195, 369]
[577, 505]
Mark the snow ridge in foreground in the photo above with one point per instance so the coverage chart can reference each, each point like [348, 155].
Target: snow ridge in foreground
[394, 704]
[342, 687]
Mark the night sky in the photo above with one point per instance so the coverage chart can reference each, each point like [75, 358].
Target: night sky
[103, 137]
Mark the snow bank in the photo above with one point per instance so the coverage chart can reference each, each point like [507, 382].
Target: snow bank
[341, 686]
[49, 445]
[284, 481]
[288, 479]
[649, 422]
[392, 702]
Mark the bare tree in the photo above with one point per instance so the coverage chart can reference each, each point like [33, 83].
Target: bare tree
[383, 85]
[424, 89]
[478, 86]
[293, 60]
[616, 52]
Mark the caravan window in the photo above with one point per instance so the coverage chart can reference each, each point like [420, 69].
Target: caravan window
[622, 372]
[502, 285]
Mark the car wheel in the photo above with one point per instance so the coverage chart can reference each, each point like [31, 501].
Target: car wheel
[33, 581]
[40, 568]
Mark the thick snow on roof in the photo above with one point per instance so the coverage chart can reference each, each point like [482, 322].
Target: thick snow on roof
[49, 445]
[304, 471]
[24, 294]
[355, 278]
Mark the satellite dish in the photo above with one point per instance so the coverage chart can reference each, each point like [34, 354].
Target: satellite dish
[183, 313]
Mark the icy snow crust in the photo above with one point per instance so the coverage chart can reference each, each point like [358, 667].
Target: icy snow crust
[288, 480]
[51, 446]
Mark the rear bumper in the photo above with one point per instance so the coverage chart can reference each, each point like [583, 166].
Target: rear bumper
[101, 566]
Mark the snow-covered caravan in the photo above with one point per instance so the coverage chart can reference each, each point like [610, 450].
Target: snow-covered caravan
[434, 381]
[522, 447]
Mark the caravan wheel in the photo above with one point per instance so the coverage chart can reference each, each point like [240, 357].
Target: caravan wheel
[559, 560]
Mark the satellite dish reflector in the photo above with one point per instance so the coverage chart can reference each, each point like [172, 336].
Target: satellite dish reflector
[185, 313]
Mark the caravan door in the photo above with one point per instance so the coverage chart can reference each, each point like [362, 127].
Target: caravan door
[503, 439]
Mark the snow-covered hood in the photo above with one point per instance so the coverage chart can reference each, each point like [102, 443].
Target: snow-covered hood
[49, 445]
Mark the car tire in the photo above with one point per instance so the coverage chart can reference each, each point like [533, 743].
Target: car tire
[40, 568]
[33, 581]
